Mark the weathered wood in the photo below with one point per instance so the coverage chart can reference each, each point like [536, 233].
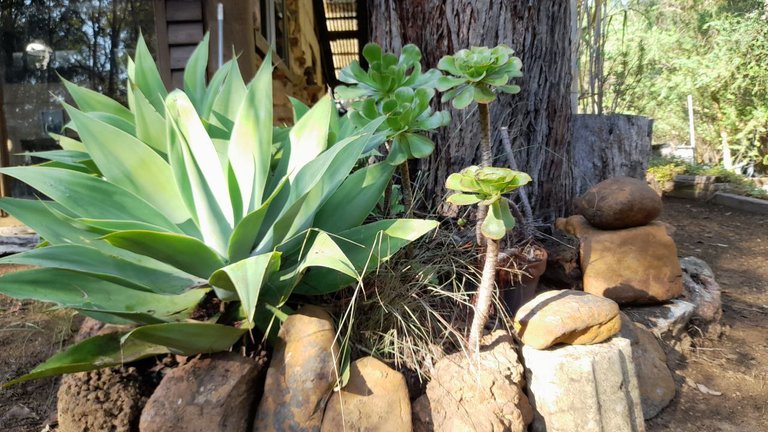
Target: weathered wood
[180, 54]
[185, 33]
[183, 10]
[607, 146]
[538, 117]
[238, 35]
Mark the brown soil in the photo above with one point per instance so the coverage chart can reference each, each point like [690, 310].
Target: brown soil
[734, 243]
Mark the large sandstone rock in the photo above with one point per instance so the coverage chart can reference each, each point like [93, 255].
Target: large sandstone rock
[654, 379]
[701, 289]
[374, 400]
[630, 266]
[213, 394]
[566, 316]
[102, 400]
[619, 202]
[584, 388]
[483, 394]
[301, 375]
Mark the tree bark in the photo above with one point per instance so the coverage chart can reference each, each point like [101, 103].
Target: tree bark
[610, 146]
[538, 117]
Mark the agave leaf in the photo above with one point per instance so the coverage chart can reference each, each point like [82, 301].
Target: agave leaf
[150, 125]
[93, 353]
[51, 225]
[354, 200]
[309, 137]
[246, 277]
[250, 146]
[89, 101]
[160, 278]
[195, 165]
[365, 247]
[299, 108]
[214, 88]
[80, 291]
[183, 252]
[245, 234]
[127, 162]
[187, 338]
[63, 156]
[147, 77]
[229, 98]
[194, 74]
[88, 196]
[68, 143]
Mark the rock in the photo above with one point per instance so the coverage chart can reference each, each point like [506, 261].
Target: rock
[91, 327]
[482, 395]
[302, 373]
[630, 266]
[17, 415]
[654, 379]
[374, 399]
[585, 388]
[210, 394]
[17, 239]
[701, 289]
[102, 400]
[567, 316]
[619, 202]
[668, 322]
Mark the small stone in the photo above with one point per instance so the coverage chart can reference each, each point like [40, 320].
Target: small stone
[668, 322]
[101, 400]
[374, 400]
[585, 388]
[480, 394]
[566, 316]
[209, 394]
[701, 289]
[629, 266]
[619, 202]
[655, 381]
[301, 375]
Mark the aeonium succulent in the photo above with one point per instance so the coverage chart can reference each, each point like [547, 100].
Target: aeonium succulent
[485, 186]
[476, 72]
[407, 115]
[386, 73]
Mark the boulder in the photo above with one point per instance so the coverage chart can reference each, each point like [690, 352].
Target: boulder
[480, 394]
[301, 375]
[619, 202]
[211, 394]
[701, 289]
[630, 266]
[585, 388]
[102, 400]
[374, 399]
[668, 322]
[654, 379]
[566, 316]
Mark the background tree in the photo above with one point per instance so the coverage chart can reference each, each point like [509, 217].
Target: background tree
[538, 117]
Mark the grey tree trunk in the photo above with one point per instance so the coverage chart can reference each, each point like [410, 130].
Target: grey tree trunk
[610, 146]
[538, 117]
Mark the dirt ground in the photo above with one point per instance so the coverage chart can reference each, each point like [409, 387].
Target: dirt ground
[734, 243]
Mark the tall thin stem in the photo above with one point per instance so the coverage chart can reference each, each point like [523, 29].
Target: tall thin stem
[486, 159]
[405, 180]
[484, 294]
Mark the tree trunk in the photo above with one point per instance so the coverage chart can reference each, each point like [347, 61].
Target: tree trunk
[610, 146]
[538, 117]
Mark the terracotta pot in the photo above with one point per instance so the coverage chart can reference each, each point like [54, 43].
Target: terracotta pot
[518, 275]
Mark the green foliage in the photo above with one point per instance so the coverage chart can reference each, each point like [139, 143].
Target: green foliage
[485, 186]
[144, 226]
[476, 72]
[665, 170]
[657, 53]
[395, 90]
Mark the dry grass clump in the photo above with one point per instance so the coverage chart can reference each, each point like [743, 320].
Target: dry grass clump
[416, 308]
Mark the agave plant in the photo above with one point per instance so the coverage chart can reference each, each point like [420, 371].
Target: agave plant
[187, 196]
[485, 186]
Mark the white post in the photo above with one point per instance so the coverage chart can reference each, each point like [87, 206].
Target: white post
[690, 123]
[220, 17]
